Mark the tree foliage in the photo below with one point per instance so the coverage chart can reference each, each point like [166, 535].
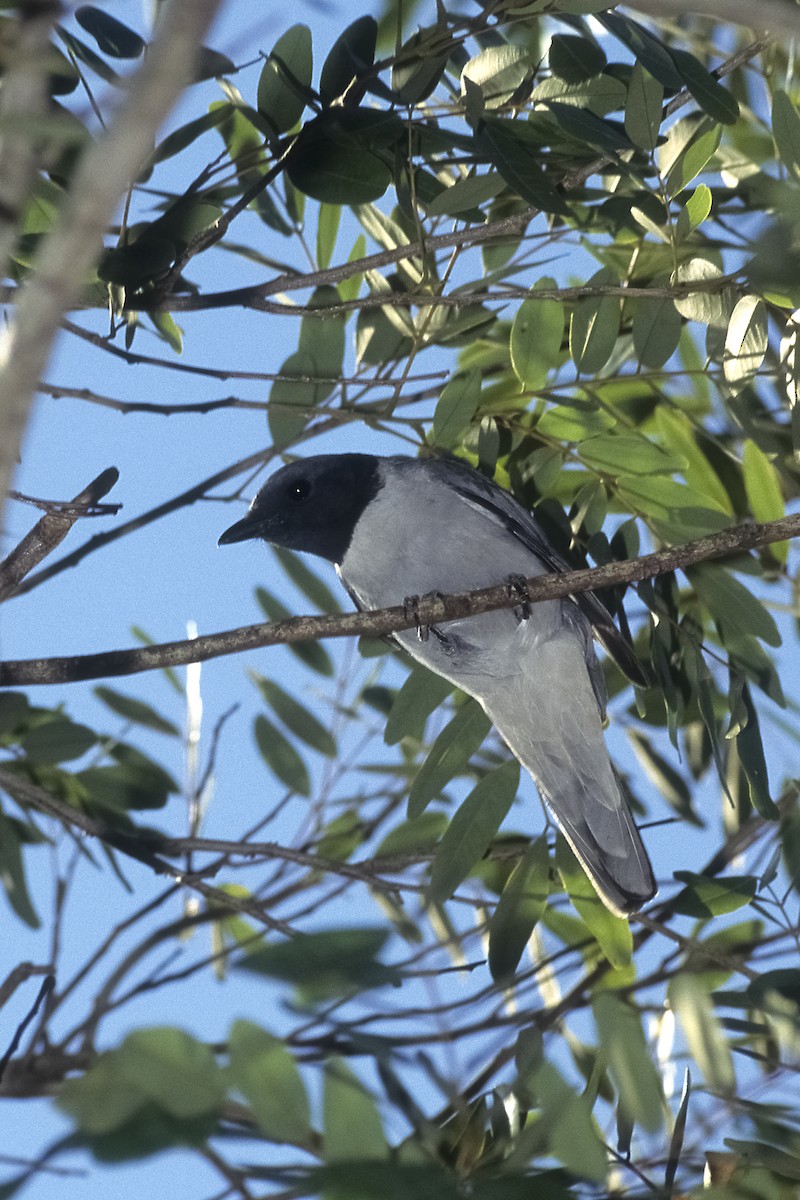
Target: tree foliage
[558, 240]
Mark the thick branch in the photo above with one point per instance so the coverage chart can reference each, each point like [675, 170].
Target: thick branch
[71, 250]
[433, 610]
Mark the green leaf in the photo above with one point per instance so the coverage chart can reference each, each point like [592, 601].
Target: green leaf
[329, 165]
[656, 330]
[351, 55]
[786, 130]
[286, 79]
[693, 157]
[583, 125]
[619, 453]
[693, 1007]
[518, 164]
[645, 47]
[679, 436]
[472, 829]
[706, 896]
[264, 1071]
[732, 605]
[322, 340]
[565, 1124]
[353, 1127]
[571, 425]
[746, 341]
[281, 757]
[536, 337]
[112, 37]
[295, 716]
[708, 307]
[291, 403]
[698, 206]
[328, 221]
[575, 58]
[466, 194]
[594, 326]
[643, 108]
[612, 934]
[13, 710]
[713, 98]
[663, 776]
[521, 904]
[186, 134]
[754, 764]
[414, 76]
[414, 837]
[136, 711]
[497, 72]
[12, 873]
[59, 740]
[421, 694]
[448, 755]
[313, 654]
[326, 963]
[303, 578]
[133, 782]
[619, 1030]
[455, 409]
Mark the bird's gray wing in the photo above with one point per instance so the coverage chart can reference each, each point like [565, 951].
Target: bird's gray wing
[476, 489]
[548, 716]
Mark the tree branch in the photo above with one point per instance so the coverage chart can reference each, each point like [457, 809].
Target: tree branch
[68, 254]
[433, 610]
[49, 532]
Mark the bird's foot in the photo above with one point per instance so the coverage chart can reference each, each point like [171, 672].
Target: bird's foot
[411, 611]
[517, 586]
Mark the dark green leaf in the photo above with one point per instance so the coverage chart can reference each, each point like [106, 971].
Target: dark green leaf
[336, 170]
[713, 98]
[286, 79]
[112, 37]
[13, 710]
[326, 963]
[521, 904]
[575, 58]
[59, 740]
[645, 47]
[455, 409]
[264, 1071]
[754, 764]
[448, 755]
[707, 896]
[136, 711]
[414, 77]
[291, 403]
[87, 56]
[420, 695]
[281, 757]
[594, 327]
[414, 837]
[350, 57]
[211, 64]
[656, 330]
[586, 127]
[732, 605]
[298, 719]
[133, 782]
[313, 654]
[472, 829]
[516, 162]
[12, 873]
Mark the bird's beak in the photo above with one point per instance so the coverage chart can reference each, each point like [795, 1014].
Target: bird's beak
[249, 527]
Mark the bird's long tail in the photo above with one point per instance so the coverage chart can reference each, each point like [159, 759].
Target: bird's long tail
[550, 720]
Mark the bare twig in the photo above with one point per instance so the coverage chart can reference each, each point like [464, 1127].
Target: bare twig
[433, 610]
[48, 983]
[51, 530]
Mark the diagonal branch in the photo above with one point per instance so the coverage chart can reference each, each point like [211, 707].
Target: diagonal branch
[432, 610]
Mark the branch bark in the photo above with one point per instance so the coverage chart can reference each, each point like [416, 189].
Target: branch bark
[433, 610]
[71, 250]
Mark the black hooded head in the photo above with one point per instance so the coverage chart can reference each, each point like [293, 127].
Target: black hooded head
[314, 505]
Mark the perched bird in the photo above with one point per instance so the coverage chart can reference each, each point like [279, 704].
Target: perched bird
[402, 527]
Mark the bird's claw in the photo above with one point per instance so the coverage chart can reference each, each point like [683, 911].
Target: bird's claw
[517, 586]
[411, 611]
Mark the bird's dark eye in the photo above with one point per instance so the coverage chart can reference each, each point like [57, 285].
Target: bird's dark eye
[300, 490]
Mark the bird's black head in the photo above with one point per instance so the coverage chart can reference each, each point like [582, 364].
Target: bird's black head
[313, 504]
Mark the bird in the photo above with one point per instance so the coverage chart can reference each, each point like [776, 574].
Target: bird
[398, 528]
